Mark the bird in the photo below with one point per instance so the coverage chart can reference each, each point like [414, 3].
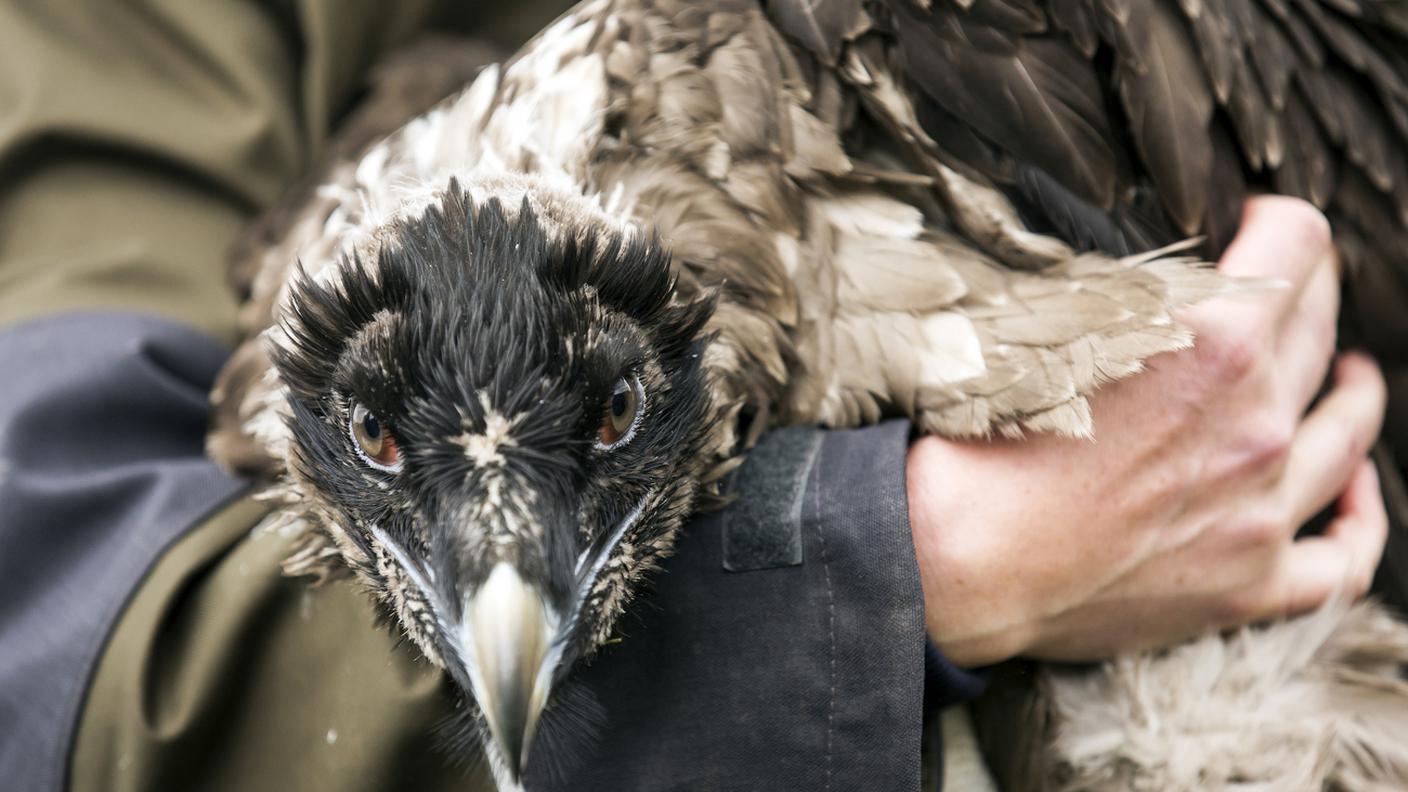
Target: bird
[496, 358]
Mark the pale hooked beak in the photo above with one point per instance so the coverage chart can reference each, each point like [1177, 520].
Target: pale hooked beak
[509, 641]
[509, 638]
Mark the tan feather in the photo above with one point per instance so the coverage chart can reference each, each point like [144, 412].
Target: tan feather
[1307, 702]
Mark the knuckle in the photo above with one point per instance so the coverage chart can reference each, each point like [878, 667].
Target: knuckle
[1323, 327]
[1348, 449]
[1260, 529]
[1377, 388]
[1240, 607]
[1233, 354]
[1263, 448]
[1348, 443]
[1305, 224]
[1265, 531]
[1312, 228]
[1268, 444]
[1327, 339]
[1375, 373]
[1368, 565]
[1363, 581]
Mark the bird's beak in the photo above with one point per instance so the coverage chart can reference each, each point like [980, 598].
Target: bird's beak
[508, 636]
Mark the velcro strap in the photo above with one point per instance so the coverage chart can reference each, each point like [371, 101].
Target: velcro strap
[762, 528]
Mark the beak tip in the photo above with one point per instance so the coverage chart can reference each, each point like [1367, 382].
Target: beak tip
[509, 647]
[515, 757]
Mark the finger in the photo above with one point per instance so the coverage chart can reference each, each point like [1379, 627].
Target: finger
[1280, 239]
[1334, 438]
[1344, 559]
[1307, 342]
[1362, 520]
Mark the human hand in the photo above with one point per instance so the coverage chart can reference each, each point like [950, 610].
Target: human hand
[1180, 516]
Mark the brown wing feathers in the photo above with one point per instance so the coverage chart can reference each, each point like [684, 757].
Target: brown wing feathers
[1124, 125]
[1107, 97]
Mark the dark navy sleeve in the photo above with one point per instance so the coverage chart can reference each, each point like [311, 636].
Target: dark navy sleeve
[945, 684]
[783, 648]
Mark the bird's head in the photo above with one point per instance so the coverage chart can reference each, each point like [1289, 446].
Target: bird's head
[498, 419]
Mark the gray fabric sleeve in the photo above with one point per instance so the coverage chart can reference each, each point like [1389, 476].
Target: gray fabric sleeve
[806, 676]
[101, 466]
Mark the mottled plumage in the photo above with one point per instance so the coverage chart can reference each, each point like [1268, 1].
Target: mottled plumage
[798, 213]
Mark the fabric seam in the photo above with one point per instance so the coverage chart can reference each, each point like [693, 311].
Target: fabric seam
[830, 613]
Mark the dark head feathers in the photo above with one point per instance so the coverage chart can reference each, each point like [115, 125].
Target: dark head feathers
[462, 246]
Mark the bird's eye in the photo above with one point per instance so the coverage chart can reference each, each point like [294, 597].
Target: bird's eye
[619, 414]
[374, 441]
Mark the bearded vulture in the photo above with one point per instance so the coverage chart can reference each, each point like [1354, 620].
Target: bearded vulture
[560, 305]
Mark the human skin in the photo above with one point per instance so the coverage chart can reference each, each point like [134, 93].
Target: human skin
[1180, 515]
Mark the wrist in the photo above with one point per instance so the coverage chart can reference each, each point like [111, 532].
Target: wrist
[972, 602]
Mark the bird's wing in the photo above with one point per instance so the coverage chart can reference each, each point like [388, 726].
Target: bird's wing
[1125, 125]
[1112, 125]
[860, 272]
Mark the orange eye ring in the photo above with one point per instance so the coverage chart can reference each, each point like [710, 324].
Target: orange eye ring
[374, 441]
[620, 413]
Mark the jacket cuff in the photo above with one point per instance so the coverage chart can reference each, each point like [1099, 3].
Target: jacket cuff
[783, 645]
[859, 510]
[859, 491]
[945, 684]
